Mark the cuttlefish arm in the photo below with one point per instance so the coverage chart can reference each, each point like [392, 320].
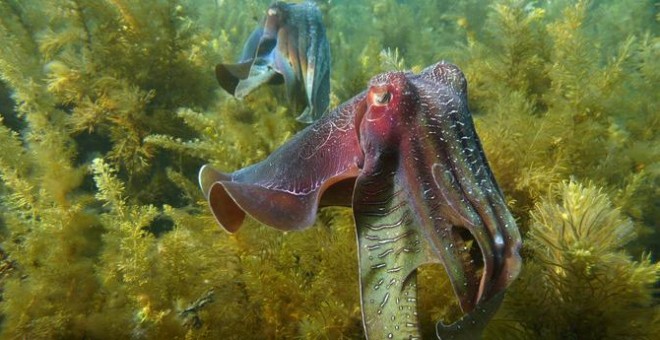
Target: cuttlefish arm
[290, 46]
[390, 249]
[424, 195]
[472, 325]
[422, 192]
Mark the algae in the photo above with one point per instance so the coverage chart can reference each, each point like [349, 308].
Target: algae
[109, 107]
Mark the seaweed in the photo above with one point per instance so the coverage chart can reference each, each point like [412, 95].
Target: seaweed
[578, 270]
[110, 107]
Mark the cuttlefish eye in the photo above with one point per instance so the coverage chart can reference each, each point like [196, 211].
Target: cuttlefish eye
[380, 97]
[272, 11]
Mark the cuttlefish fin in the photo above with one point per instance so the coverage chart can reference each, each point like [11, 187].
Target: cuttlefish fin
[317, 167]
[259, 75]
[225, 210]
[229, 75]
[230, 201]
[247, 75]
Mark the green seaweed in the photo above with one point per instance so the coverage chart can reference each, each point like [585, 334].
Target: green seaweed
[578, 270]
[110, 107]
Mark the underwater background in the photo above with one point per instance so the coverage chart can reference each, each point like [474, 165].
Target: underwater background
[109, 108]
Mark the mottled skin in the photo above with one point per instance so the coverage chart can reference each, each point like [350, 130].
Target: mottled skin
[405, 155]
[289, 46]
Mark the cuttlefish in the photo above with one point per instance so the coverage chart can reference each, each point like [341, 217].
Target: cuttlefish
[289, 46]
[405, 156]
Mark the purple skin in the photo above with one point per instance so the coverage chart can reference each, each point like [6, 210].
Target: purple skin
[405, 155]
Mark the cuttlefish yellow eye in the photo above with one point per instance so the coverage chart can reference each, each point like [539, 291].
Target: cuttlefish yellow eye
[380, 97]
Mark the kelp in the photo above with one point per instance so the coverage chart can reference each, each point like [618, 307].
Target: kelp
[109, 107]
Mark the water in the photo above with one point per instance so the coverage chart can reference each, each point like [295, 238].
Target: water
[560, 91]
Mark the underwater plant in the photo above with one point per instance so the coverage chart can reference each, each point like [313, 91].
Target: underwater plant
[578, 270]
[109, 107]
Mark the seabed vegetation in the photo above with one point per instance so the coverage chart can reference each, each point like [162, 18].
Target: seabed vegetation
[109, 107]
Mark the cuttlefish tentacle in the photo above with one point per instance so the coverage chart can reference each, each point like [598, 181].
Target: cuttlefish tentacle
[482, 202]
[390, 249]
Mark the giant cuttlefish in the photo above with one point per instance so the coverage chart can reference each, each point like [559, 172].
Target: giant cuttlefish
[290, 45]
[405, 156]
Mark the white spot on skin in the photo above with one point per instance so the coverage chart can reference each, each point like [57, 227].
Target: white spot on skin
[499, 242]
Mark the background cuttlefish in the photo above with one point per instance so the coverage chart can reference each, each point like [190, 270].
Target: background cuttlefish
[290, 45]
[404, 154]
